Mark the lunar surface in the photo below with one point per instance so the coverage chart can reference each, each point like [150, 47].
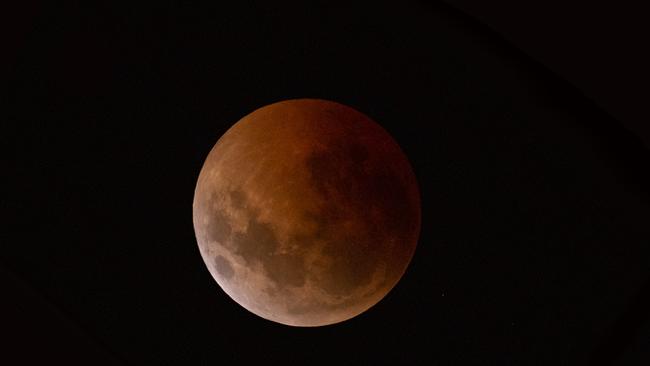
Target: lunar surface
[306, 212]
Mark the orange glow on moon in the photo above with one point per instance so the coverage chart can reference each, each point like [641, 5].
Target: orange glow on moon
[306, 212]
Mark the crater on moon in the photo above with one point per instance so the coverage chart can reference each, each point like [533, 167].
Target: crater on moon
[306, 212]
[223, 267]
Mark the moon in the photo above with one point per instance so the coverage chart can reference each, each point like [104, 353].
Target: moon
[306, 212]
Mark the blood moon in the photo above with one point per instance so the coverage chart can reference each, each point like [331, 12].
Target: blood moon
[306, 212]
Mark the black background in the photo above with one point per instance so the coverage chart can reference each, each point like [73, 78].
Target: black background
[534, 243]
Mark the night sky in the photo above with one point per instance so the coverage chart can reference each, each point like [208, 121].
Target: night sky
[535, 201]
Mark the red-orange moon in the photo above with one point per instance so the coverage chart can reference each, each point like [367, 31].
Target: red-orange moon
[306, 212]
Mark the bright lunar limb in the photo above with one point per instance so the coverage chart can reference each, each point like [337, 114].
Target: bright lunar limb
[306, 212]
